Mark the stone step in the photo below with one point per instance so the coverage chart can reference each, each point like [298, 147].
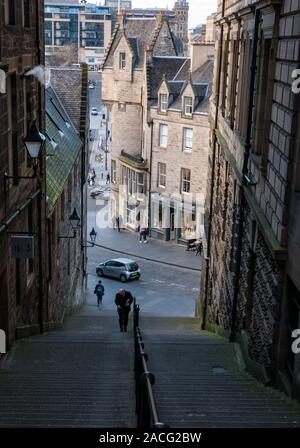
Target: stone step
[200, 381]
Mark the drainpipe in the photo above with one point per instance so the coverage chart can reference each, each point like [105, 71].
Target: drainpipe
[150, 180]
[212, 184]
[242, 205]
[41, 179]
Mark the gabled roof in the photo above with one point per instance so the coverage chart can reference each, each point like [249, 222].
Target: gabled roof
[159, 67]
[62, 147]
[61, 80]
[175, 72]
[141, 34]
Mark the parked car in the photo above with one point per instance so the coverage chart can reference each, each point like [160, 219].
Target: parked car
[94, 111]
[91, 86]
[122, 268]
[100, 191]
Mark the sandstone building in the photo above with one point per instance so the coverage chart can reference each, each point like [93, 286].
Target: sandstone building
[157, 101]
[178, 149]
[66, 189]
[251, 284]
[22, 201]
[134, 43]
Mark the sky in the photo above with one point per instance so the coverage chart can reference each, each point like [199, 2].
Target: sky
[199, 9]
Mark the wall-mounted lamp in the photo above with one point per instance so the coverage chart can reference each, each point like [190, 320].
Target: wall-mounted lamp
[33, 143]
[74, 221]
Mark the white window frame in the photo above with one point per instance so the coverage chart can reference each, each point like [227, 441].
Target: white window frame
[188, 108]
[162, 175]
[188, 141]
[122, 60]
[163, 102]
[130, 214]
[185, 181]
[140, 180]
[113, 172]
[163, 136]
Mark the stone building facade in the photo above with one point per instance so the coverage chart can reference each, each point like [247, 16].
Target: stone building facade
[250, 287]
[66, 189]
[152, 70]
[179, 146]
[124, 92]
[22, 201]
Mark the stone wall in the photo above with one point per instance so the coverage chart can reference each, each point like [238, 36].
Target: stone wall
[270, 189]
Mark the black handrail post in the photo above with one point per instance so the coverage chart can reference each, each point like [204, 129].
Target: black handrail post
[146, 408]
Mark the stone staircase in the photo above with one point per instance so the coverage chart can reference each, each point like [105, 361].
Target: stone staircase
[79, 376]
[201, 381]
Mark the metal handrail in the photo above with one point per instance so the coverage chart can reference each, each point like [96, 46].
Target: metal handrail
[146, 407]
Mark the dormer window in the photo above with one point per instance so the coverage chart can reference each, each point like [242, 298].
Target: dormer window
[122, 61]
[163, 102]
[188, 105]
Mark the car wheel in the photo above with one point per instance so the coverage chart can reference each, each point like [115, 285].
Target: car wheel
[100, 273]
[123, 278]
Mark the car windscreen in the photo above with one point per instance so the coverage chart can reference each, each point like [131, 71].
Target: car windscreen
[132, 267]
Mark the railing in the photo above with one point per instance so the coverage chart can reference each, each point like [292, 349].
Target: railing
[146, 408]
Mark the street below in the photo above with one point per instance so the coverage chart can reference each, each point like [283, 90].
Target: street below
[170, 276]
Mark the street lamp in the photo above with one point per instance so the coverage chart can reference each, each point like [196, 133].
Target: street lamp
[74, 221]
[33, 142]
[93, 236]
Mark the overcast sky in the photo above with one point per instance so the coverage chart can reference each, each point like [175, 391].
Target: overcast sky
[199, 9]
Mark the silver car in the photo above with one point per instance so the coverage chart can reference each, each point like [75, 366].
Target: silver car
[122, 268]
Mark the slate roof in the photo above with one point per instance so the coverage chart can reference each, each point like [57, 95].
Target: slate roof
[168, 66]
[177, 74]
[139, 34]
[61, 80]
[63, 145]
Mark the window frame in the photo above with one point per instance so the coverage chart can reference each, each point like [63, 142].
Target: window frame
[185, 106]
[185, 139]
[163, 99]
[163, 136]
[185, 181]
[122, 60]
[160, 174]
[113, 172]
[26, 6]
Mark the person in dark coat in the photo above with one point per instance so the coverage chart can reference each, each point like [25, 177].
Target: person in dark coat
[123, 301]
[118, 223]
[99, 291]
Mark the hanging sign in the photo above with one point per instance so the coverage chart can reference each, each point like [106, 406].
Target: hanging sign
[22, 246]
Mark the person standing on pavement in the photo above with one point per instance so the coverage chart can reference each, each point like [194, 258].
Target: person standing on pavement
[108, 178]
[93, 176]
[99, 291]
[123, 302]
[143, 235]
[118, 223]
